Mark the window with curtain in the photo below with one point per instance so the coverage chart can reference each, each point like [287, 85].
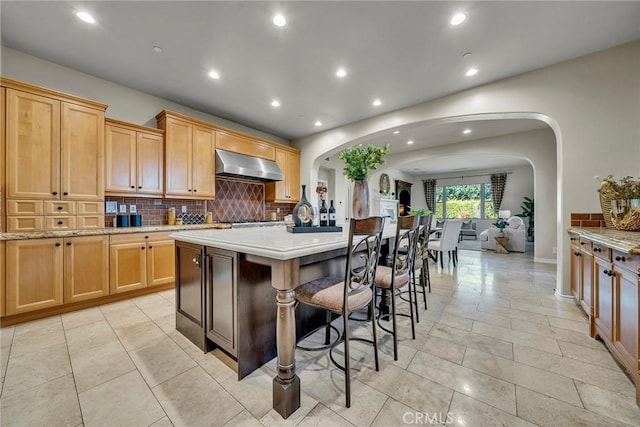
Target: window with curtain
[465, 201]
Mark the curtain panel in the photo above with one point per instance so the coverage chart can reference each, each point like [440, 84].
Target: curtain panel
[430, 193]
[498, 182]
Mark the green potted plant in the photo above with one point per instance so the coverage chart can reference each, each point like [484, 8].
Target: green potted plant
[358, 161]
[501, 224]
[527, 212]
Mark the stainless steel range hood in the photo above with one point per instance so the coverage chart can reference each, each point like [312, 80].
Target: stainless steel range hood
[235, 165]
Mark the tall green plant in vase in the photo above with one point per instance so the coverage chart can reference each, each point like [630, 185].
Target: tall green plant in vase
[527, 212]
[358, 161]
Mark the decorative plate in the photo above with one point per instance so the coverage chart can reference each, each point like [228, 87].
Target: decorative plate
[385, 184]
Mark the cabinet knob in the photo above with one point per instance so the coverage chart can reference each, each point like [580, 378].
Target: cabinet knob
[59, 222]
[142, 247]
[194, 190]
[620, 258]
[146, 237]
[582, 243]
[65, 193]
[68, 243]
[55, 193]
[59, 208]
[189, 190]
[139, 186]
[150, 247]
[57, 243]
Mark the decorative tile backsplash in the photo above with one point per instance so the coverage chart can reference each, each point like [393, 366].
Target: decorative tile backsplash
[235, 200]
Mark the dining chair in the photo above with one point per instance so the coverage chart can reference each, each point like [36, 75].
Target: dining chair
[448, 242]
[352, 292]
[392, 278]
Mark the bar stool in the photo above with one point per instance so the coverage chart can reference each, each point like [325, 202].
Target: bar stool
[422, 258]
[331, 294]
[399, 275]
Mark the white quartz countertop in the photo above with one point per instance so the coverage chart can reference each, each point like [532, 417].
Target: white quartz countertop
[271, 242]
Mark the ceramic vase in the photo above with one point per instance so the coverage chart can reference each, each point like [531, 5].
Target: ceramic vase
[305, 208]
[360, 199]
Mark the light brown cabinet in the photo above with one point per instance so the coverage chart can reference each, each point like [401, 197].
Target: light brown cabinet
[134, 158]
[141, 260]
[35, 215]
[42, 273]
[288, 190]
[189, 157]
[248, 146]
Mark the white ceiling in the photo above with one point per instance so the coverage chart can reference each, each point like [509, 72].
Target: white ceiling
[403, 53]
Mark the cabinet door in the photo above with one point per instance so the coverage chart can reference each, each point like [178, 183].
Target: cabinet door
[288, 190]
[177, 158]
[603, 290]
[293, 176]
[33, 146]
[150, 163]
[82, 153]
[627, 329]
[576, 272]
[120, 159]
[128, 266]
[586, 293]
[221, 298]
[204, 166]
[34, 274]
[161, 264]
[86, 268]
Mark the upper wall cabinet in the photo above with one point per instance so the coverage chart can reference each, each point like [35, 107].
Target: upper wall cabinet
[54, 145]
[287, 191]
[250, 147]
[189, 157]
[134, 159]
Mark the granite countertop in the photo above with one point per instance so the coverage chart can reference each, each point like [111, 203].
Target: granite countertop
[626, 241]
[272, 242]
[103, 231]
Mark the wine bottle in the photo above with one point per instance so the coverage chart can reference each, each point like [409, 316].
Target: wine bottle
[323, 214]
[332, 215]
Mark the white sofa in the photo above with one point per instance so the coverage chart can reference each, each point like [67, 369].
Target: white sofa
[515, 231]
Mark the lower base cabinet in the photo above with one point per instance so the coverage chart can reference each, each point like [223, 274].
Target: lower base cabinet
[43, 273]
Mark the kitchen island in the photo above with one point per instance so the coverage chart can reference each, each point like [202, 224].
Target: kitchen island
[285, 260]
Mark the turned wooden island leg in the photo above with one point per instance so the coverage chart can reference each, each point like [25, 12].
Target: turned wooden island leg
[286, 384]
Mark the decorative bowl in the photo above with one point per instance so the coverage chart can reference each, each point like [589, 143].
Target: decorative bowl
[625, 214]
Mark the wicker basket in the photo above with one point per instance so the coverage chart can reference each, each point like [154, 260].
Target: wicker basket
[625, 214]
[607, 195]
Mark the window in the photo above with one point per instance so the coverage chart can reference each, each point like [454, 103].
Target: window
[465, 201]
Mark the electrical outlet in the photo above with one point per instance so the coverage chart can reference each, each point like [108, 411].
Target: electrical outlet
[132, 209]
[184, 209]
[111, 207]
[157, 202]
[277, 210]
[123, 208]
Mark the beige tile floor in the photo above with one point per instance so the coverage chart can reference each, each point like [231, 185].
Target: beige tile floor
[495, 348]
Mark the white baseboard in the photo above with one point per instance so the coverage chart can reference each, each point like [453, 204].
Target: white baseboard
[565, 298]
[545, 260]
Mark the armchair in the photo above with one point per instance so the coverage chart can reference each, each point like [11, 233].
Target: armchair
[515, 231]
[468, 229]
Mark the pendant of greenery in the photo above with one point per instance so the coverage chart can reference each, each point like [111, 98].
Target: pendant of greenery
[359, 160]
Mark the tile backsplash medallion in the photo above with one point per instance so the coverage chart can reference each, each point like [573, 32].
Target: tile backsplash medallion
[235, 200]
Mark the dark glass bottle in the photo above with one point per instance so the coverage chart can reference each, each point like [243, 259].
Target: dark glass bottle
[332, 215]
[302, 212]
[324, 215]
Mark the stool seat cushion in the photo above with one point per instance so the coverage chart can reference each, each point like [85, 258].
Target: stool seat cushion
[384, 275]
[328, 293]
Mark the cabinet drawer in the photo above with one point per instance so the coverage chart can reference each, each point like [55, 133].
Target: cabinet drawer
[602, 252]
[236, 144]
[60, 222]
[626, 261]
[59, 208]
[90, 208]
[25, 207]
[24, 223]
[90, 221]
[140, 237]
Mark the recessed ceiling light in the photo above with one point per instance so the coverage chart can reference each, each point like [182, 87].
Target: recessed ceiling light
[410, 141]
[341, 72]
[279, 20]
[376, 102]
[458, 19]
[318, 123]
[395, 132]
[157, 49]
[466, 131]
[214, 74]
[471, 72]
[86, 17]
[275, 103]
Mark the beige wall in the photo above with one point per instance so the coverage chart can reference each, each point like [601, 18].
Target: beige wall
[124, 103]
[592, 104]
